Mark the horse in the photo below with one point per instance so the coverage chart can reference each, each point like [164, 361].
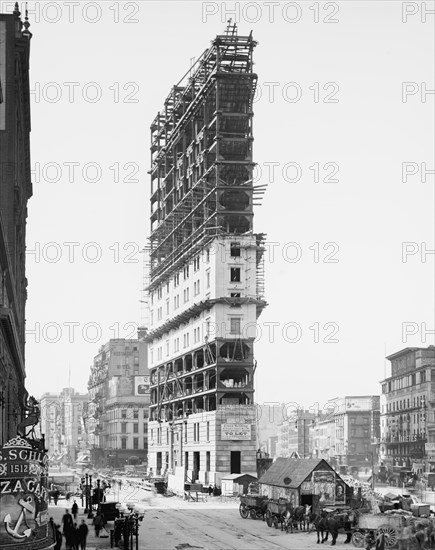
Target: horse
[332, 523]
[307, 517]
[261, 512]
[319, 522]
[296, 518]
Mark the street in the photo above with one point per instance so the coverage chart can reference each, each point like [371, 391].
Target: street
[215, 529]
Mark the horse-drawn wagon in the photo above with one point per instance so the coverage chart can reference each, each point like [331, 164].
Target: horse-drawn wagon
[276, 512]
[253, 506]
[391, 525]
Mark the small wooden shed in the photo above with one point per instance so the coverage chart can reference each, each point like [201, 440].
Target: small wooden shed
[236, 484]
[305, 481]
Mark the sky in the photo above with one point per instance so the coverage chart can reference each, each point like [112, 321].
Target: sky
[343, 132]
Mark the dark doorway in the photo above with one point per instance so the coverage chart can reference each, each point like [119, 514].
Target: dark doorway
[236, 461]
[307, 499]
[196, 465]
[159, 464]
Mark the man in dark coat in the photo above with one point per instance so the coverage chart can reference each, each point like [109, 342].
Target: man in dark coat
[74, 510]
[83, 532]
[67, 521]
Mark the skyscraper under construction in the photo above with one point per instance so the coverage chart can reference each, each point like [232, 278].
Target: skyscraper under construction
[206, 283]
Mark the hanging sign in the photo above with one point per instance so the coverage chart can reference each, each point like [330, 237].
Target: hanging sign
[24, 496]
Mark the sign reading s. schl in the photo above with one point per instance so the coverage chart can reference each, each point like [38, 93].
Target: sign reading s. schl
[23, 495]
[236, 432]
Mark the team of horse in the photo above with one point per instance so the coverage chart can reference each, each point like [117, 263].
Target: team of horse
[302, 518]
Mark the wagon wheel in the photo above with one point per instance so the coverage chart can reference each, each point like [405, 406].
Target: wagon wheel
[391, 535]
[358, 539]
[269, 519]
[253, 513]
[244, 512]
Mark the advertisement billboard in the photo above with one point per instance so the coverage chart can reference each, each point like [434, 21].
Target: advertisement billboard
[141, 385]
[236, 432]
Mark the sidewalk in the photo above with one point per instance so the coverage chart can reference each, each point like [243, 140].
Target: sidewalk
[92, 542]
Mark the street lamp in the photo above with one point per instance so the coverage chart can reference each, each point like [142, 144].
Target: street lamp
[90, 514]
[86, 493]
[98, 496]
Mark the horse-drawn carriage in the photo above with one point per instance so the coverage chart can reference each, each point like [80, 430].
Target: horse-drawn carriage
[276, 512]
[391, 525]
[253, 506]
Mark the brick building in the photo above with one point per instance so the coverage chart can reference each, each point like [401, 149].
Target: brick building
[15, 191]
[116, 415]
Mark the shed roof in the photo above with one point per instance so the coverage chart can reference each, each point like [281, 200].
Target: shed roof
[297, 469]
[234, 477]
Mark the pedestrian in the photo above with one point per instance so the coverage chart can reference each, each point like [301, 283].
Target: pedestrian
[83, 533]
[369, 540]
[420, 536]
[380, 541]
[56, 496]
[98, 524]
[210, 490]
[58, 538]
[75, 537]
[67, 521]
[74, 510]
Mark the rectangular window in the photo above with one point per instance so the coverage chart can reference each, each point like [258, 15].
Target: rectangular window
[186, 272]
[135, 414]
[196, 432]
[186, 295]
[176, 280]
[145, 428]
[207, 277]
[208, 431]
[124, 413]
[135, 428]
[235, 274]
[124, 427]
[236, 301]
[235, 250]
[167, 306]
[235, 325]
[123, 443]
[135, 443]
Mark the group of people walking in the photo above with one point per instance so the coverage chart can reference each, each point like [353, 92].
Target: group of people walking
[75, 535]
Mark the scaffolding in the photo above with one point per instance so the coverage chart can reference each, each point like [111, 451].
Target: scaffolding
[201, 156]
